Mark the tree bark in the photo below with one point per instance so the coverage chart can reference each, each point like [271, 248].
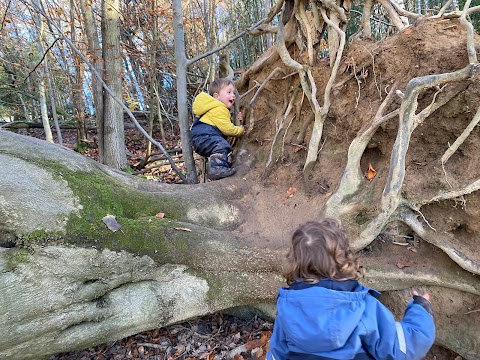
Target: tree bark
[114, 137]
[42, 93]
[95, 53]
[181, 71]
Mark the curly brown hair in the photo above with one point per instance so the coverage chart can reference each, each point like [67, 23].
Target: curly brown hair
[321, 250]
[219, 84]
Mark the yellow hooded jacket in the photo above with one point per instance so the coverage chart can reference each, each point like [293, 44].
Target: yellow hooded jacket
[213, 112]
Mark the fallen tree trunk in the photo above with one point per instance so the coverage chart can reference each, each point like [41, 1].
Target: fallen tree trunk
[68, 281]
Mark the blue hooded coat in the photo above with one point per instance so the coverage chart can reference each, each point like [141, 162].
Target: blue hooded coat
[344, 320]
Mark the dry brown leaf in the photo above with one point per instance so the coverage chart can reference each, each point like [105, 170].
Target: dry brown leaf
[298, 148]
[291, 191]
[403, 264]
[180, 349]
[160, 215]
[371, 172]
[183, 229]
[238, 357]
[266, 335]
[408, 31]
[211, 356]
[253, 344]
[218, 318]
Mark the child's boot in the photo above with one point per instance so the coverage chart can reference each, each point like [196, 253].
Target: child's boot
[219, 167]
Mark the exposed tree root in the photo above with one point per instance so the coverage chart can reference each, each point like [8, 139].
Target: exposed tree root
[451, 150]
[441, 241]
[396, 280]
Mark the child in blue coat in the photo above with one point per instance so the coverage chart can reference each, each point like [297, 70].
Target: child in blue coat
[326, 314]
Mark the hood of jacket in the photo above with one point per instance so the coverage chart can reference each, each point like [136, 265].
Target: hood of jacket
[203, 103]
[214, 112]
[331, 308]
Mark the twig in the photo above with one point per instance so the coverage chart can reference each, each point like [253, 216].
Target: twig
[472, 311]
[41, 60]
[374, 72]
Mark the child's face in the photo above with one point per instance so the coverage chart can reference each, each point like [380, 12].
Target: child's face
[226, 95]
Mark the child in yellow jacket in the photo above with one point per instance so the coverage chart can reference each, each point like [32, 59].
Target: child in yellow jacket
[212, 126]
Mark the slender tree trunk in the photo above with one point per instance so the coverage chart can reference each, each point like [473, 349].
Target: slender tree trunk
[95, 52]
[77, 86]
[114, 137]
[182, 99]
[153, 78]
[53, 106]
[41, 78]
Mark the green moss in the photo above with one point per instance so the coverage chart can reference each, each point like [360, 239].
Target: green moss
[101, 195]
[82, 147]
[17, 257]
[39, 237]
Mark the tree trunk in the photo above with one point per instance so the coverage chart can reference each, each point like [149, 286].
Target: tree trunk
[78, 98]
[42, 95]
[114, 138]
[181, 71]
[95, 53]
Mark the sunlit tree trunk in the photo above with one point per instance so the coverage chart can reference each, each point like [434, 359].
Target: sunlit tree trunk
[42, 97]
[114, 137]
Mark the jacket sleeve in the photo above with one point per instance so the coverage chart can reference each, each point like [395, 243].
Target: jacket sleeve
[278, 343]
[220, 117]
[409, 339]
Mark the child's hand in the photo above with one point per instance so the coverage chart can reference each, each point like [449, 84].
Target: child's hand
[240, 116]
[425, 296]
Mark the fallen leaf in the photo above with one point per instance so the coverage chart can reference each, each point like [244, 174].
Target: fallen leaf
[253, 344]
[408, 31]
[298, 148]
[182, 229]
[266, 335]
[160, 215]
[179, 350]
[371, 172]
[290, 192]
[111, 223]
[238, 357]
[403, 264]
[218, 318]
[211, 356]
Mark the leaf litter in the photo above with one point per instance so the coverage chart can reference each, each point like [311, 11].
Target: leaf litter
[212, 337]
